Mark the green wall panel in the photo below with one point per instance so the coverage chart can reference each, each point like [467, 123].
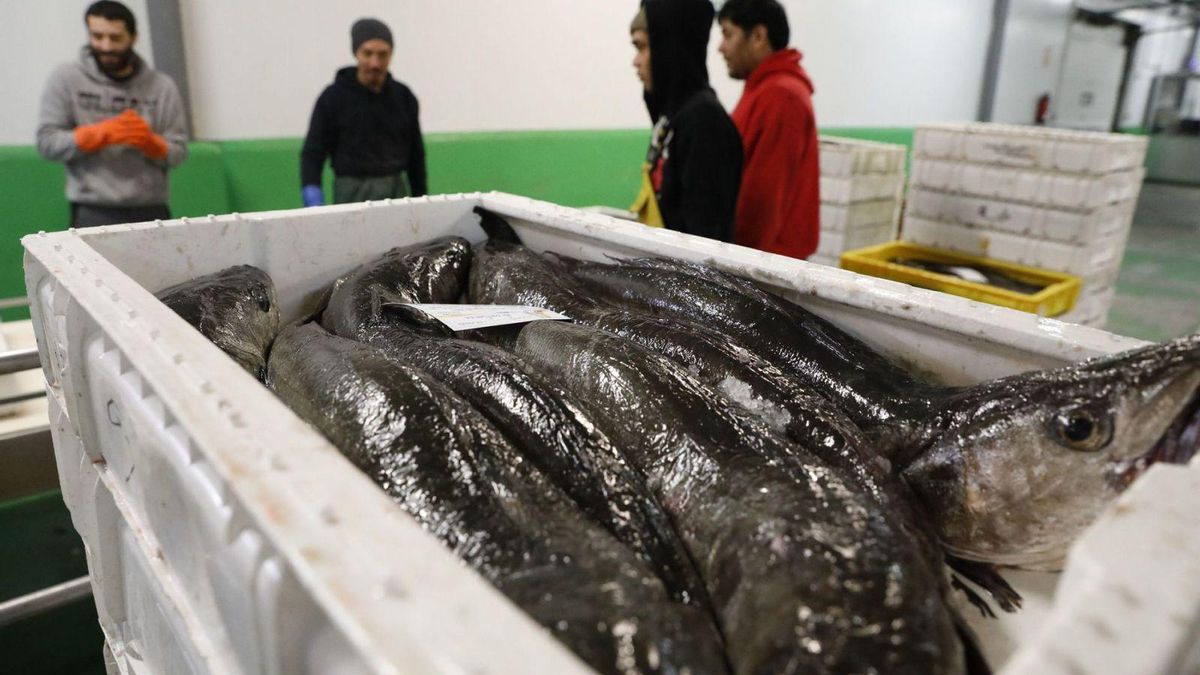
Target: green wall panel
[263, 175]
[575, 168]
[39, 548]
[198, 186]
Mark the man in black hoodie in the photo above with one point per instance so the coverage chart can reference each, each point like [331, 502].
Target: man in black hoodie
[368, 122]
[694, 164]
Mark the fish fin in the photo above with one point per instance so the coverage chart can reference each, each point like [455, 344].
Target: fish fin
[974, 598]
[973, 657]
[496, 227]
[413, 318]
[988, 578]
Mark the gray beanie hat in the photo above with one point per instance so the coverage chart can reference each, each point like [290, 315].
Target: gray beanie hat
[369, 29]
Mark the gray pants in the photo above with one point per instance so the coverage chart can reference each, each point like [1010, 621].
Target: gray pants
[349, 189]
[93, 215]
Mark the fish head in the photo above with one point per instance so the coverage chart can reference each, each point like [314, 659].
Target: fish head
[1021, 465]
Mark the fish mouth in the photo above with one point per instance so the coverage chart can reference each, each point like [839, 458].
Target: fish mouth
[1178, 445]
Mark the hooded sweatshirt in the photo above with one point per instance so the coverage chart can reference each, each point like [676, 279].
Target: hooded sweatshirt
[779, 208]
[367, 133]
[80, 93]
[695, 156]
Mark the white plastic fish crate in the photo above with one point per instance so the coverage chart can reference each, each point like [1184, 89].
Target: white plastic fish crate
[844, 217]
[1080, 260]
[1029, 147]
[223, 535]
[1038, 222]
[834, 244]
[864, 188]
[843, 157]
[826, 260]
[1092, 307]
[1026, 186]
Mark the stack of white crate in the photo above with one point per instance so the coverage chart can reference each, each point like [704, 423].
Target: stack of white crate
[861, 187]
[1050, 198]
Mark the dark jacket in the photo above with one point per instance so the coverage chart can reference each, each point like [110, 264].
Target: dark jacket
[698, 167]
[366, 133]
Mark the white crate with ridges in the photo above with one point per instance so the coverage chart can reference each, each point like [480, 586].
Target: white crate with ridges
[842, 217]
[990, 243]
[1036, 222]
[1028, 186]
[1028, 147]
[834, 244]
[843, 157]
[865, 188]
[1092, 307]
[224, 535]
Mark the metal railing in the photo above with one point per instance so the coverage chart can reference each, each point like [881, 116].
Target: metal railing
[46, 599]
[12, 611]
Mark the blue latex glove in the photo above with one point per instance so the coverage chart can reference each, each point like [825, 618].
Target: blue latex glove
[312, 195]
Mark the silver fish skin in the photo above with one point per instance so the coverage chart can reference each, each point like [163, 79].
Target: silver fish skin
[807, 574]
[887, 402]
[506, 274]
[463, 482]
[433, 272]
[991, 464]
[542, 421]
[1016, 468]
[236, 308]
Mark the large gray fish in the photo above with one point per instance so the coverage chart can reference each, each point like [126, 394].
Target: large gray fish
[885, 400]
[542, 421]
[236, 308]
[452, 472]
[1011, 470]
[807, 574]
[506, 273]
[1014, 469]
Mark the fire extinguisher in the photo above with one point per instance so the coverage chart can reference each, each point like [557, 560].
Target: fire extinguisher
[1043, 110]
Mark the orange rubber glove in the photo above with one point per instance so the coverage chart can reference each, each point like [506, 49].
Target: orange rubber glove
[133, 130]
[95, 137]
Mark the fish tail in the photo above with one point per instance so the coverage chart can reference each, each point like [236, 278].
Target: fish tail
[496, 227]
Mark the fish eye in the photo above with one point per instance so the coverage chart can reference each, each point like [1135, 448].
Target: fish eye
[1081, 430]
[264, 302]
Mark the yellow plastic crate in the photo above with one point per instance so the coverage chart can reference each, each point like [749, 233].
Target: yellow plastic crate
[1057, 296]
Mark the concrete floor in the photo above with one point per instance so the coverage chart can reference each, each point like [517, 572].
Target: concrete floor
[1158, 292]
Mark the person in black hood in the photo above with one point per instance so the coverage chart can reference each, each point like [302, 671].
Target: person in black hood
[694, 164]
[369, 124]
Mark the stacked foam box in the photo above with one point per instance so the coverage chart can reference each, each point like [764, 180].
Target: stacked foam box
[861, 187]
[1055, 199]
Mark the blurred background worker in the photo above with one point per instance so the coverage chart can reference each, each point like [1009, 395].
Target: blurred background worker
[779, 209]
[368, 123]
[694, 164]
[116, 123]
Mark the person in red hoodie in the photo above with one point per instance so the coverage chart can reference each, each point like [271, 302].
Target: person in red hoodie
[779, 206]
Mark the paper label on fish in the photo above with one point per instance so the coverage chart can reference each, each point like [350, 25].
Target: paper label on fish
[471, 317]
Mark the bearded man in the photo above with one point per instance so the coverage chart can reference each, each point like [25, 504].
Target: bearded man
[116, 123]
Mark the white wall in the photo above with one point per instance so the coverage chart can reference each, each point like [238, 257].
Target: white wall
[38, 35]
[256, 67]
[1091, 78]
[1034, 42]
[893, 63]
[1156, 54]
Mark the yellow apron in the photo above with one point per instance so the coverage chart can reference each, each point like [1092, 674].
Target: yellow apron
[646, 204]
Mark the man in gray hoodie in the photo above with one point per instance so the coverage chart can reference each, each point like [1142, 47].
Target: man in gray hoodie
[116, 123]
